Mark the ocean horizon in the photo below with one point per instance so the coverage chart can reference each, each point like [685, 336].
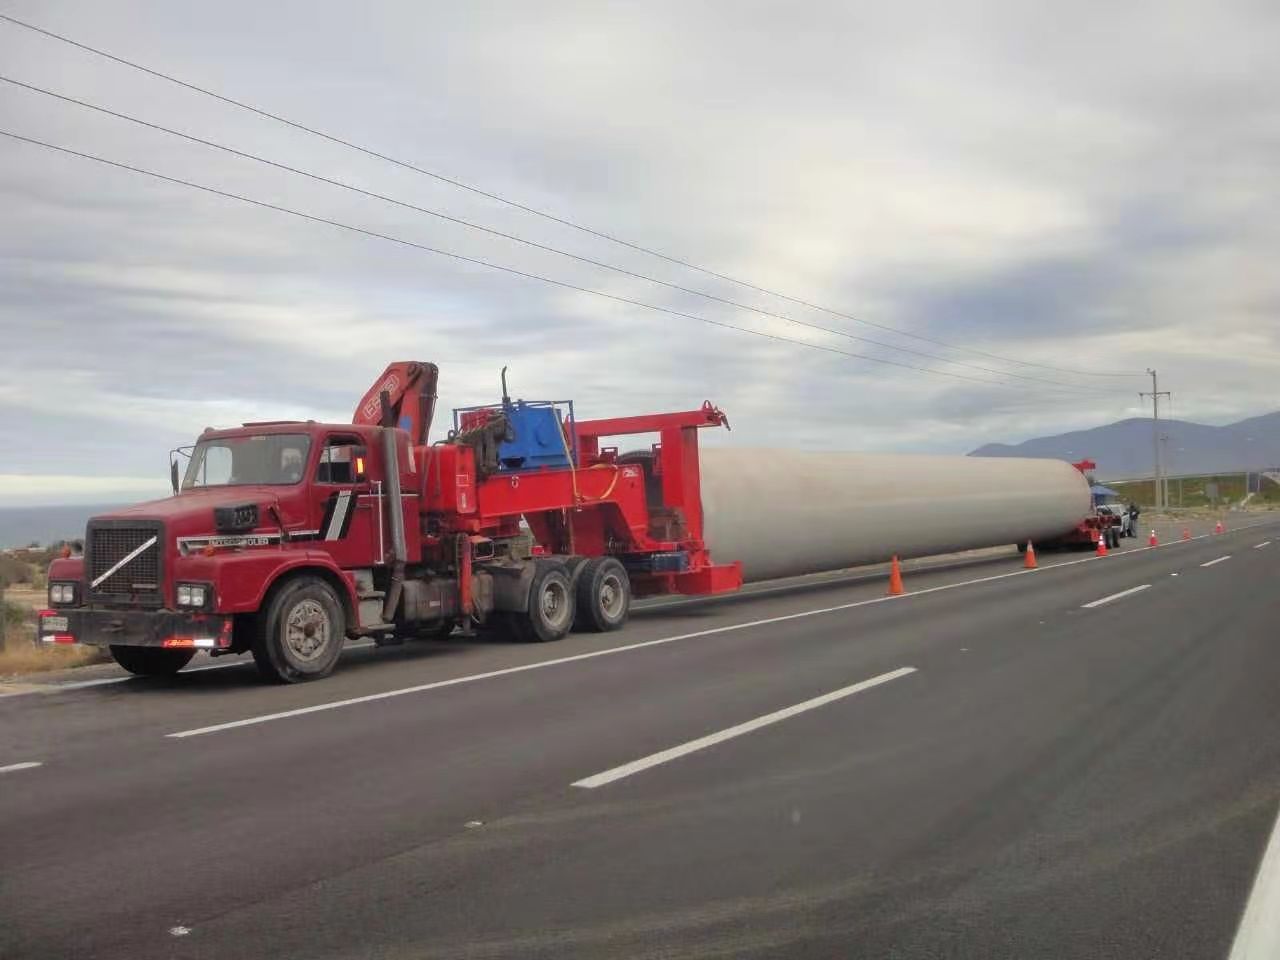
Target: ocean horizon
[20, 526]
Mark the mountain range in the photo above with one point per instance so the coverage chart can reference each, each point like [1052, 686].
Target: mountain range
[1122, 449]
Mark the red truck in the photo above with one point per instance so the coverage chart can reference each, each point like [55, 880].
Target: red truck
[286, 538]
[1094, 527]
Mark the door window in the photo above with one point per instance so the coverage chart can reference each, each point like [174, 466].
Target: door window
[341, 461]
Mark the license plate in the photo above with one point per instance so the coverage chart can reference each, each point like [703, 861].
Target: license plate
[53, 624]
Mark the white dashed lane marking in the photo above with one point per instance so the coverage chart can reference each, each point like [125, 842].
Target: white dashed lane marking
[28, 765]
[1114, 596]
[684, 749]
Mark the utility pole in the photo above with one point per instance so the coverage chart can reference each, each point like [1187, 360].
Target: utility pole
[1155, 395]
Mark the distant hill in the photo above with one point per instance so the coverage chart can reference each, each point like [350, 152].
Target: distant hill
[1123, 449]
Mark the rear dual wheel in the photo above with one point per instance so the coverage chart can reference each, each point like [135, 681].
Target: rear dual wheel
[592, 595]
[603, 595]
[551, 606]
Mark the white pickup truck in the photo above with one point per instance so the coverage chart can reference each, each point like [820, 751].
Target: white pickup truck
[1121, 511]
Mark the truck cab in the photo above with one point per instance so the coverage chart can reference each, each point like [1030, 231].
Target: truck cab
[256, 506]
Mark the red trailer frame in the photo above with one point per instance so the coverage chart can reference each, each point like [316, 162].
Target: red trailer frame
[643, 507]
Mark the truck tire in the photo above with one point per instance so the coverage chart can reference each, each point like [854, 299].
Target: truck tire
[301, 632]
[151, 661]
[603, 595]
[573, 566]
[551, 606]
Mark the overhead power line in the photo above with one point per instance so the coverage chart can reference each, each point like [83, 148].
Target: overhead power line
[498, 198]
[531, 243]
[486, 263]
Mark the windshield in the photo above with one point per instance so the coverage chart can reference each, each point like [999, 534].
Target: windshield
[274, 458]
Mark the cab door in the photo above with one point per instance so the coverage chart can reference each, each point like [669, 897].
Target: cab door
[346, 514]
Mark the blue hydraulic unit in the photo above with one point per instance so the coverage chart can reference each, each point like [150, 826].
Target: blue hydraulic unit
[536, 434]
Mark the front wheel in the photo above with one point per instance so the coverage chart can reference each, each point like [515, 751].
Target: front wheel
[151, 661]
[300, 634]
[604, 595]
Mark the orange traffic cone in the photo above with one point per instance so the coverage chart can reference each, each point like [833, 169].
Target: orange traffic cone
[1186, 533]
[895, 579]
[1102, 545]
[1217, 527]
[1030, 562]
[1153, 541]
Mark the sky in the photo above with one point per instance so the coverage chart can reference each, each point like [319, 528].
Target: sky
[1089, 187]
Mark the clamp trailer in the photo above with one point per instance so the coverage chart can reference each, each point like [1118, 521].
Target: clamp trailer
[285, 538]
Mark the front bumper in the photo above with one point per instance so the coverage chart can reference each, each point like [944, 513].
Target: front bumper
[100, 627]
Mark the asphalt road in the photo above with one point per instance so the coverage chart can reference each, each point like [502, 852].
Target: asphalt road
[986, 767]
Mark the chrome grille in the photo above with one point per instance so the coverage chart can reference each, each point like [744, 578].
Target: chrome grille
[140, 580]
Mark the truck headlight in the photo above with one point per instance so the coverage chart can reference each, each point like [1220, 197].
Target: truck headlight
[194, 595]
[62, 594]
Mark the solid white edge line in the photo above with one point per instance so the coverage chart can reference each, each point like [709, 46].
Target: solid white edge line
[664, 756]
[852, 581]
[1114, 596]
[47, 688]
[1219, 560]
[644, 644]
[30, 764]
[1258, 936]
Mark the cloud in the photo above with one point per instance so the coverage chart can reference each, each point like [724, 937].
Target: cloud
[1092, 195]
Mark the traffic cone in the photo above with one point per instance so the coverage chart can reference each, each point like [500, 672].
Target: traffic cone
[1102, 544]
[895, 579]
[1186, 533]
[1030, 562]
[1217, 528]
[1153, 541]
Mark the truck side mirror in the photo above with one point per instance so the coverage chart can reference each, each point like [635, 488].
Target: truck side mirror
[173, 475]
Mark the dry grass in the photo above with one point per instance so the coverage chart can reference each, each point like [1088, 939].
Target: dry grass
[21, 656]
[25, 596]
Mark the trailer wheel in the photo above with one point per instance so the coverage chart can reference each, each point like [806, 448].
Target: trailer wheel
[301, 633]
[551, 606]
[151, 661]
[604, 595]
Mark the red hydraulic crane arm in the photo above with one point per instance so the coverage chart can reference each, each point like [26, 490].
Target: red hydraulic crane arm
[410, 386]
